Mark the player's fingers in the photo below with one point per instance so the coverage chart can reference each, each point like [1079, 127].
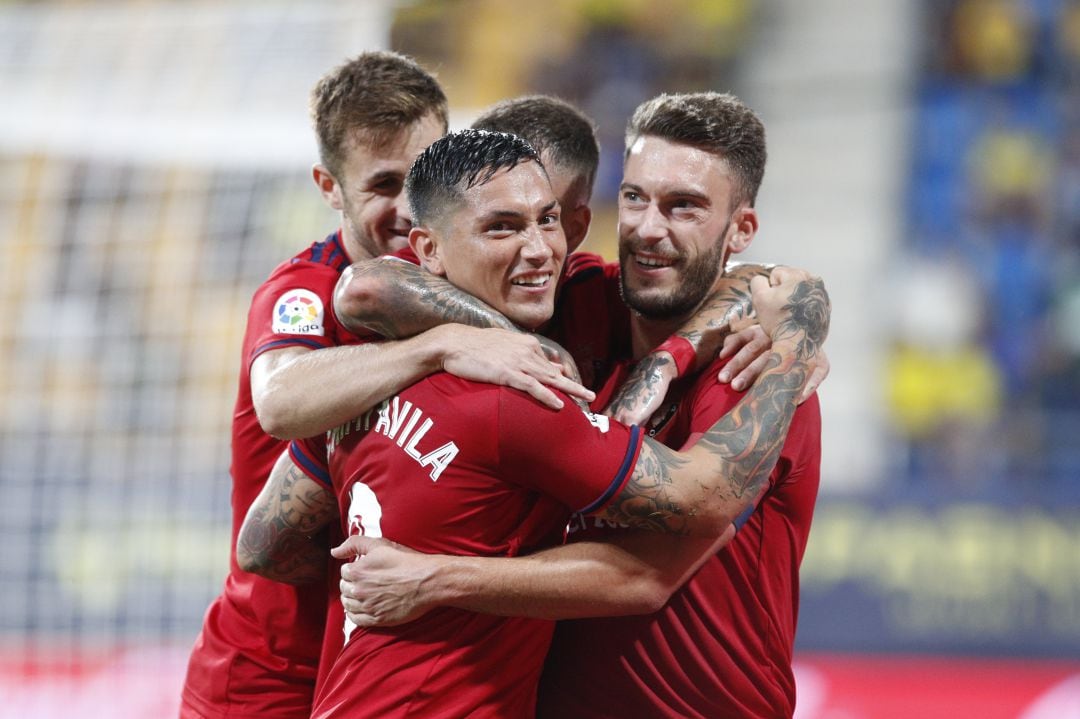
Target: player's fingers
[788, 275]
[817, 376]
[532, 386]
[750, 373]
[568, 385]
[752, 342]
[353, 547]
[731, 344]
[362, 620]
[350, 596]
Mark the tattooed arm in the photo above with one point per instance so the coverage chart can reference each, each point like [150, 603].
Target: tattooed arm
[276, 539]
[397, 299]
[701, 491]
[695, 491]
[702, 336]
[724, 326]
[299, 392]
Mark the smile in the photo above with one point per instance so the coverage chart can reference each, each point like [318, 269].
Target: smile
[532, 281]
[653, 260]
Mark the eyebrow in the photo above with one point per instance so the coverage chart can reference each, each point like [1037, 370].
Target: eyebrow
[383, 175]
[514, 214]
[676, 192]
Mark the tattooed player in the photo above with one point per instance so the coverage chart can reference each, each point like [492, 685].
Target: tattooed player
[721, 645]
[454, 466]
[257, 652]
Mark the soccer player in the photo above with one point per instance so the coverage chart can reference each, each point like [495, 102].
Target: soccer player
[721, 645]
[257, 653]
[450, 465]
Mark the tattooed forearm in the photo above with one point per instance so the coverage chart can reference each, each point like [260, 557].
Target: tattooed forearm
[729, 303]
[648, 501]
[702, 490]
[399, 299]
[644, 389]
[748, 439]
[276, 538]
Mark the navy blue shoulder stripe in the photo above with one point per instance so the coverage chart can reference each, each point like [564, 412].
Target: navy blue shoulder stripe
[313, 469]
[742, 518]
[337, 252]
[624, 469]
[289, 343]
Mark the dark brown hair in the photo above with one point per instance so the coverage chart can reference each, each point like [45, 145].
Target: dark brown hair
[714, 122]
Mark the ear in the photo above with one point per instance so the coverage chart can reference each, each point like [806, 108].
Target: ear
[576, 227]
[427, 249]
[744, 229]
[328, 186]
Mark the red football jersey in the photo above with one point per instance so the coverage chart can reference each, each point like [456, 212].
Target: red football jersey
[590, 320]
[457, 467]
[257, 653]
[722, 646]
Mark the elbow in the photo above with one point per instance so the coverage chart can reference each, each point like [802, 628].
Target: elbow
[357, 298]
[273, 419]
[652, 597]
[248, 561]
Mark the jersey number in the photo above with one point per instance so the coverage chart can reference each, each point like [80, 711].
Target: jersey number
[365, 519]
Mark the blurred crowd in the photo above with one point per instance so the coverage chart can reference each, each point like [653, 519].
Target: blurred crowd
[984, 375]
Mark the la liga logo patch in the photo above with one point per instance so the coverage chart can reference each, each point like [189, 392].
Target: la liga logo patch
[298, 312]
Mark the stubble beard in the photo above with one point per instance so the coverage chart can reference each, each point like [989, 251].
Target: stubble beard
[698, 279]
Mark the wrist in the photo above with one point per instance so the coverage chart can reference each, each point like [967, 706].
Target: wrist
[449, 581]
[436, 347]
[681, 351]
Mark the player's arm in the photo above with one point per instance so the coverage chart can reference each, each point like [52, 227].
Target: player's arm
[276, 538]
[395, 299]
[299, 392]
[634, 573]
[722, 327]
[703, 490]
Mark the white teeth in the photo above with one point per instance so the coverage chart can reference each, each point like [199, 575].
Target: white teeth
[538, 281]
[654, 262]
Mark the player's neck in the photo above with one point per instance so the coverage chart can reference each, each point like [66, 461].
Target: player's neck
[353, 249]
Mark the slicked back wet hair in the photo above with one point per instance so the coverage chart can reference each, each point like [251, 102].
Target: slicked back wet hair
[557, 130]
[453, 164]
[378, 93]
[711, 121]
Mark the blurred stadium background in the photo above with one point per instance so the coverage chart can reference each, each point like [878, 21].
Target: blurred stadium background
[924, 158]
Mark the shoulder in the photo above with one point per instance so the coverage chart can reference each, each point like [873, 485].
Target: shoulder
[327, 252]
[581, 265]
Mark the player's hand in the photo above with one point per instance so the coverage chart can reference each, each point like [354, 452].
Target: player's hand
[792, 306]
[382, 585]
[749, 352]
[511, 359]
[641, 395]
[748, 349]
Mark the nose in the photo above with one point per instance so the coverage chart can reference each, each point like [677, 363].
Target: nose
[401, 207]
[535, 247]
[653, 225]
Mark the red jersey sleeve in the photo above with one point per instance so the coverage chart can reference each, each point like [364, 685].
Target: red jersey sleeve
[294, 308]
[580, 459]
[310, 456]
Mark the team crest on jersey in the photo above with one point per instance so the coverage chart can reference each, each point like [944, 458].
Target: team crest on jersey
[298, 312]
